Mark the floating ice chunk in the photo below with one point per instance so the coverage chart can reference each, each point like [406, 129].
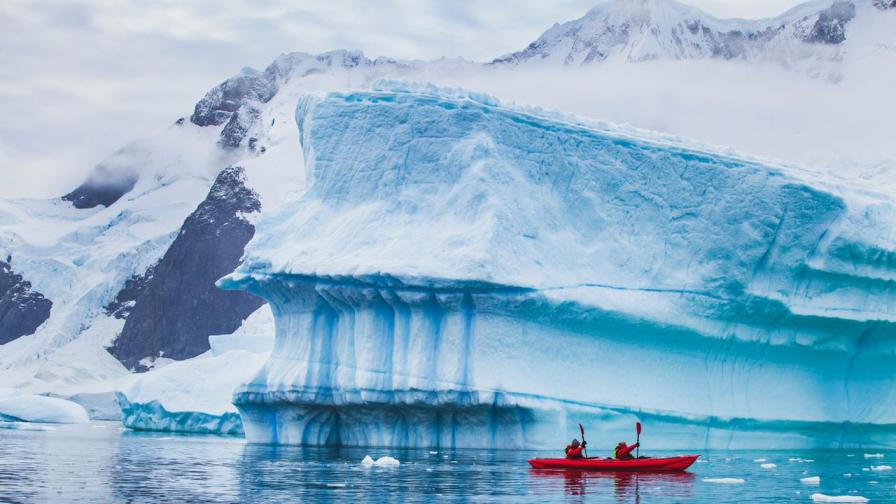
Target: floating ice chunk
[800, 460]
[724, 481]
[847, 475]
[874, 455]
[25, 426]
[433, 453]
[387, 461]
[336, 485]
[811, 480]
[880, 468]
[382, 461]
[760, 460]
[768, 466]
[37, 408]
[820, 497]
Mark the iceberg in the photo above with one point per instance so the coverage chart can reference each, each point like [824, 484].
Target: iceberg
[43, 409]
[461, 272]
[820, 497]
[190, 396]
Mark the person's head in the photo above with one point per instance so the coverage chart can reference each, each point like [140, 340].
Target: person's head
[575, 443]
[621, 444]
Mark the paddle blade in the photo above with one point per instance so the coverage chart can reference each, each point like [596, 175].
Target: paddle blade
[582, 430]
[638, 428]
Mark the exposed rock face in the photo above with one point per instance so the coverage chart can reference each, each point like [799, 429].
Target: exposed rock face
[220, 103]
[233, 133]
[176, 306]
[104, 187]
[830, 28]
[22, 309]
[885, 4]
[236, 102]
[128, 296]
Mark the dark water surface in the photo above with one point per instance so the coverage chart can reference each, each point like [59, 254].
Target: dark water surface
[101, 462]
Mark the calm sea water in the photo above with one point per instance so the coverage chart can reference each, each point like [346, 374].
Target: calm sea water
[104, 463]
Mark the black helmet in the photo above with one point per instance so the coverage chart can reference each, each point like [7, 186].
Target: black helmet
[575, 443]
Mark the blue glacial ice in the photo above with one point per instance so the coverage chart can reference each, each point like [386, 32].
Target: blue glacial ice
[467, 273]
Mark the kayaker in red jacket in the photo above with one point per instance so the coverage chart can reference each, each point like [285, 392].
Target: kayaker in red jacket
[574, 450]
[624, 452]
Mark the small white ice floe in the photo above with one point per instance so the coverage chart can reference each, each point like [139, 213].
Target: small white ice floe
[820, 497]
[874, 455]
[760, 460]
[433, 453]
[336, 485]
[768, 466]
[847, 475]
[811, 480]
[382, 461]
[800, 460]
[724, 481]
[881, 468]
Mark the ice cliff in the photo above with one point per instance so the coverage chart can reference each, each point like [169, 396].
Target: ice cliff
[462, 272]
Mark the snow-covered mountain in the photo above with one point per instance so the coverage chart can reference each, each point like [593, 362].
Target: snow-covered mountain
[809, 36]
[118, 275]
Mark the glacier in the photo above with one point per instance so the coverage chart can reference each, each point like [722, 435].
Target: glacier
[467, 273]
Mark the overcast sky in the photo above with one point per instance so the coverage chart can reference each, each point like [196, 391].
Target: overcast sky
[79, 79]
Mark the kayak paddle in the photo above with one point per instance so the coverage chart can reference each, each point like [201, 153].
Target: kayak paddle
[582, 430]
[638, 430]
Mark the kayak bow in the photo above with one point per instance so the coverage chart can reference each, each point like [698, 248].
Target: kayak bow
[669, 464]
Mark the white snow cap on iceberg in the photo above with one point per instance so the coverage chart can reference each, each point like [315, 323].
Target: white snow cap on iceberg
[37, 408]
[811, 480]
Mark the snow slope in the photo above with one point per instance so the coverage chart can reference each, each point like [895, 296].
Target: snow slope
[458, 257]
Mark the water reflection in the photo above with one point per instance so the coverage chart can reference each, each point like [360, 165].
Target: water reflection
[626, 487]
[100, 463]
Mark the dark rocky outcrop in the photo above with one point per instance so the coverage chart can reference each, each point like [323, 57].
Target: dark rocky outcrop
[885, 4]
[22, 310]
[124, 302]
[236, 128]
[830, 28]
[176, 306]
[220, 103]
[235, 102]
[104, 187]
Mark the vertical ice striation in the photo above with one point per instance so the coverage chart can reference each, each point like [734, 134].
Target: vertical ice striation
[462, 272]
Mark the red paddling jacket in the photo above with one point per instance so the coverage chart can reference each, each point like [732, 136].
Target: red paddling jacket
[574, 453]
[623, 452]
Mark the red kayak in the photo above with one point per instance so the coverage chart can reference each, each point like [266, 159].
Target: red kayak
[669, 464]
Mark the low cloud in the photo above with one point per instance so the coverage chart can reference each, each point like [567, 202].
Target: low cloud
[80, 79]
